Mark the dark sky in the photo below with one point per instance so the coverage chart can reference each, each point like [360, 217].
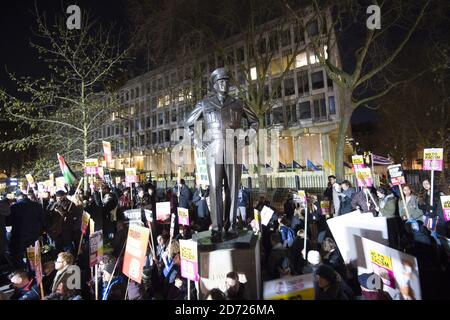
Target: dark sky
[17, 21]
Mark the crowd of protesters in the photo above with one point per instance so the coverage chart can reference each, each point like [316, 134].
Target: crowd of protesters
[56, 222]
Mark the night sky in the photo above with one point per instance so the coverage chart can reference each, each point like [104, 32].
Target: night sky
[17, 21]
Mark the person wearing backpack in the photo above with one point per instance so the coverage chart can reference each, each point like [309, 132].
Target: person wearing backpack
[286, 232]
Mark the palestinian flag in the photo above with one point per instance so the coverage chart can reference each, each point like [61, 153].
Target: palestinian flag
[68, 174]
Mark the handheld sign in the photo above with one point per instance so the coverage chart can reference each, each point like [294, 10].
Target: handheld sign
[134, 216]
[266, 215]
[433, 159]
[183, 216]
[107, 151]
[257, 221]
[91, 166]
[29, 179]
[37, 262]
[130, 175]
[148, 215]
[325, 207]
[85, 222]
[358, 162]
[201, 172]
[135, 251]
[189, 259]
[300, 197]
[60, 183]
[290, 288]
[445, 200]
[101, 172]
[396, 173]
[95, 248]
[163, 210]
[31, 257]
[172, 227]
[364, 177]
[91, 226]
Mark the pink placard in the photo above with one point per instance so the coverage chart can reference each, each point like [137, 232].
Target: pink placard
[189, 270]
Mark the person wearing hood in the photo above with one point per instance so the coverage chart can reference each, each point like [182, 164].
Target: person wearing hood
[386, 203]
[346, 197]
[117, 285]
[330, 286]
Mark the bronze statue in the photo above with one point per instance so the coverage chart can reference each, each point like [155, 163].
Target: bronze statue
[222, 115]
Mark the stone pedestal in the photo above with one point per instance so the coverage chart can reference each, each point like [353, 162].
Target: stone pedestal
[241, 254]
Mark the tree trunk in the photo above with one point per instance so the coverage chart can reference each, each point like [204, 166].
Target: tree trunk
[346, 109]
[262, 145]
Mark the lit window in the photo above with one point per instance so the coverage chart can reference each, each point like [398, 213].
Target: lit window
[276, 66]
[300, 60]
[312, 57]
[253, 74]
[325, 48]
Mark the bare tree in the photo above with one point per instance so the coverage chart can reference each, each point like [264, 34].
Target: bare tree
[65, 108]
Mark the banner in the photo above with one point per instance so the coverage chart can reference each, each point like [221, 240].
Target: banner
[325, 207]
[183, 216]
[30, 179]
[433, 159]
[95, 248]
[300, 197]
[37, 262]
[396, 173]
[48, 184]
[91, 166]
[107, 151]
[85, 222]
[399, 271]
[135, 252]
[117, 180]
[201, 173]
[364, 177]
[266, 215]
[163, 210]
[60, 183]
[130, 175]
[445, 201]
[290, 288]
[189, 259]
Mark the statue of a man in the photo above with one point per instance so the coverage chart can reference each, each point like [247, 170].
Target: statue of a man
[222, 115]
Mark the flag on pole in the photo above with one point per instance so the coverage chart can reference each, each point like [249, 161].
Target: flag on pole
[329, 165]
[381, 160]
[311, 165]
[296, 165]
[281, 165]
[68, 174]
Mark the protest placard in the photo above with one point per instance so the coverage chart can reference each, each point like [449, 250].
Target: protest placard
[60, 183]
[325, 207]
[31, 258]
[183, 216]
[445, 201]
[91, 166]
[107, 151]
[300, 197]
[290, 288]
[101, 172]
[364, 177]
[433, 159]
[85, 222]
[189, 259]
[163, 210]
[201, 173]
[30, 179]
[358, 162]
[266, 215]
[130, 175]
[398, 271]
[134, 216]
[95, 248]
[135, 251]
[37, 261]
[91, 226]
[396, 174]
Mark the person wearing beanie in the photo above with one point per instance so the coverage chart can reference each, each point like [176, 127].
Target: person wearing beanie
[372, 287]
[117, 285]
[330, 286]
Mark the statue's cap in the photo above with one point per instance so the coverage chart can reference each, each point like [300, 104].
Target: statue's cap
[219, 73]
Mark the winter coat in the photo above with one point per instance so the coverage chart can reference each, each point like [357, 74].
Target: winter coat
[201, 204]
[185, 198]
[277, 254]
[413, 208]
[338, 290]
[29, 292]
[333, 195]
[5, 211]
[346, 198]
[108, 206]
[360, 200]
[116, 290]
[27, 219]
[243, 197]
[387, 206]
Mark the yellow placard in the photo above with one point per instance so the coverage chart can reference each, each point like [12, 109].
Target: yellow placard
[88, 163]
[357, 160]
[30, 178]
[188, 254]
[433, 154]
[307, 294]
[130, 172]
[381, 260]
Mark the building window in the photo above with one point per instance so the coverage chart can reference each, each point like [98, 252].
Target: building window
[291, 112]
[147, 87]
[160, 84]
[154, 121]
[273, 41]
[303, 83]
[136, 124]
[142, 140]
[240, 54]
[174, 115]
[329, 82]
[253, 74]
[305, 110]
[276, 87]
[317, 80]
[154, 137]
[289, 87]
[166, 135]
[268, 121]
[278, 115]
[160, 119]
[299, 34]
[167, 117]
[137, 92]
[286, 37]
[320, 108]
[117, 129]
[148, 122]
[313, 28]
[312, 57]
[332, 105]
[301, 60]
[276, 66]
